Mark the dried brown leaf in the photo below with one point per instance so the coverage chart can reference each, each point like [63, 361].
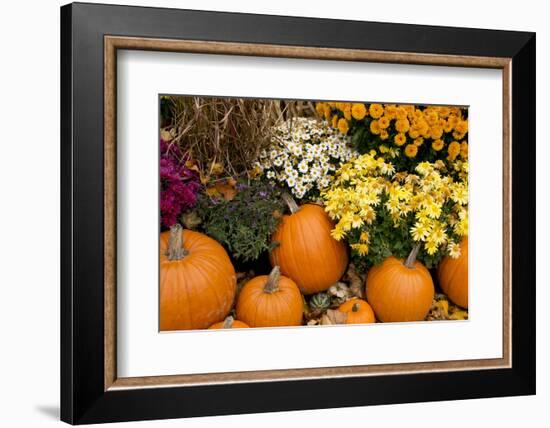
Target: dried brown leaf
[335, 317]
[191, 220]
[356, 282]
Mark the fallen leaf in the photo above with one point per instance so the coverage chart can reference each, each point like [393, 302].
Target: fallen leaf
[335, 317]
[216, 168]
[356, 282]
[191, 219]
[212, 192]
[254, 172]
[190, 164]
[340, 290]
[226, 190]
[325, 320]
[459, 315]
[339, 293]
[204, 178]
[166, 134]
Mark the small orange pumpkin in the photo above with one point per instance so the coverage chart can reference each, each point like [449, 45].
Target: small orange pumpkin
[306, 252]
[358, 312]
[400, 290]
[453, 276]
[229, 322]
[270, 301]
[197, 280]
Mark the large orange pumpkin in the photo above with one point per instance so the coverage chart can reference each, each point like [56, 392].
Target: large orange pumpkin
[453, 276]
[358, 312]
[400, 290]
[197, 280]
[229, 322]
[306, 252]
[270, 301]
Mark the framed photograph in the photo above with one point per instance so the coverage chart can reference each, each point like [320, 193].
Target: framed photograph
[257, 207]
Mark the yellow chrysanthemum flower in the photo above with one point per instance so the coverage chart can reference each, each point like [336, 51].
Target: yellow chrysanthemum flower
[437, 145]
[320, 108]
[462, 126]
[376, 110]
[384, 135]
[402, 125]
[413, 133]
[453, 249]
[444, 111]
[464, 149]
[400, 139]
[375, 127]
[347, 111]
[390, 111]
[432, 117]
[400, 113]
[327, 111]
[448, 126]
[453, 150]
[358, 111]
[337, 233]
[384, 122]
[430, 247]
[411, 150]
[335, 121]
[343, 126]
[362, 249]
[436, 132]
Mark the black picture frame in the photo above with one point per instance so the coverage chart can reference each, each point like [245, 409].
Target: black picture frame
[83, 398]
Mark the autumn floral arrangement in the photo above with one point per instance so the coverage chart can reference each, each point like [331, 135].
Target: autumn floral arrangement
[242, 218]
[305, 213]
[382, 213]
[179, 185]
[407, 134]
[303, 156]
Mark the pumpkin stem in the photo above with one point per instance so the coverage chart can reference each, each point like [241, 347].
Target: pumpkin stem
[272, 284]
[290, 202]
[175, 249]
[355, 307]
[228, 322]
[412, 256]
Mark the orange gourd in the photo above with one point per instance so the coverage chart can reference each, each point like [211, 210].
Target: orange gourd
[400, 290]
[358, 312]
[453, 276]
[197, 280]
[306, 252]
[229, 322]
[270, 301]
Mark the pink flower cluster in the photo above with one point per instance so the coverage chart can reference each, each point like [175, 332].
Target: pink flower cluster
[178, 184]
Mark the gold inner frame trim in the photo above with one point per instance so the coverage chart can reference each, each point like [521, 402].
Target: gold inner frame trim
[113, 43]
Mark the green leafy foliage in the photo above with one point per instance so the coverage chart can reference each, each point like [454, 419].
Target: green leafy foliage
[388, 239]
[244, 225]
